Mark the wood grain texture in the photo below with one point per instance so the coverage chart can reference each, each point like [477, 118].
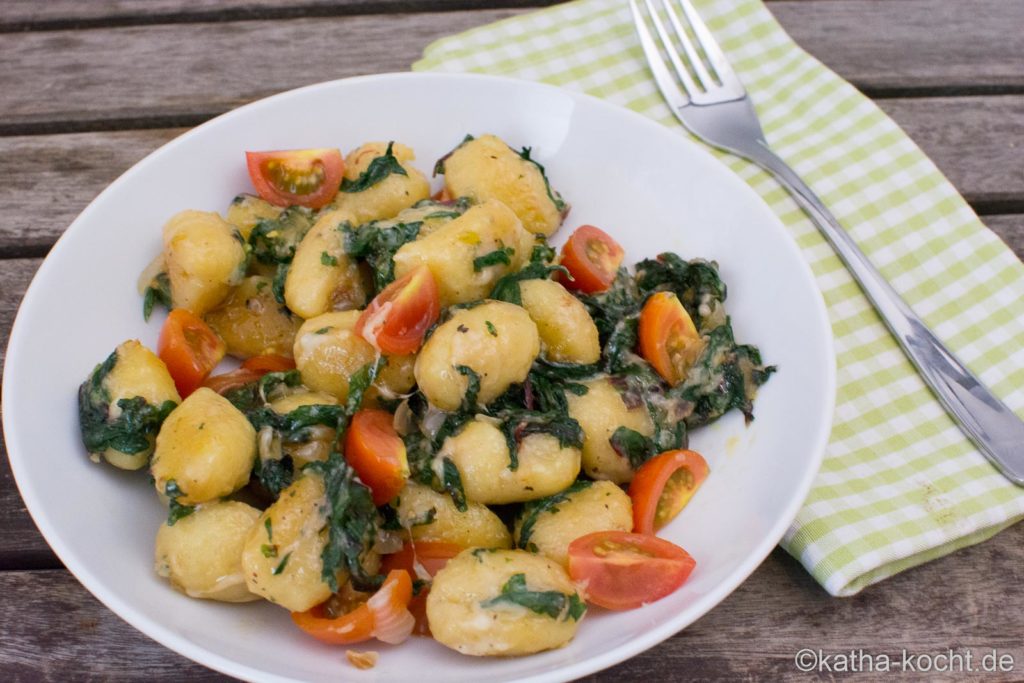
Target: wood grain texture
[956, 602]
[51, 178]
[978, 142]
[167, 72]
[197, 71]
[975, 141]
[35, 15]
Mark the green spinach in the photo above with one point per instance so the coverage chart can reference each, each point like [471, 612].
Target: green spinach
[379, 169]
[554, 604]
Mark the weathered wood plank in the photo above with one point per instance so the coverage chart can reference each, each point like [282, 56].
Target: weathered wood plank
[967, 600]
[167, 72]
[975, 141]
[51, 178]
[34, 15]
[1010, 228]
[163, 71]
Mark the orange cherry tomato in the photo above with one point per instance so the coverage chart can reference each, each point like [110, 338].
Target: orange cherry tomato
[377, 454]
[398, 318]
[663, 486]
[620, 570]
[270, 362]
[189, 349]
[669, 340]
[307, 177]
[384, 616]
[250, 371]
[432, 556]
[592, 258]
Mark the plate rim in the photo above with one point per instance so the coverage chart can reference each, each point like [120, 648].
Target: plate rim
[205, 657]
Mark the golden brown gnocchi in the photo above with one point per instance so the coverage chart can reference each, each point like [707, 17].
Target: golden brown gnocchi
[252, 323]
[322, 277]
[205, 450]
[431, 516]
[475, 604]
[495, 340]
[245, 211]
[281, 556]
[205, 257]
[384, 199]
[132, 372]
[481, 453]
[487, 168]
[471, 253]
[567, 332]
[328, 353]
[589, 506]
[201, 554]
[600, 411]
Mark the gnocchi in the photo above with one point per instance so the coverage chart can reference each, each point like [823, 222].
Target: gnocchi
[495, 341]
[600, 411]
[205, 450]
[427, 515]
[567, 332]
[205, 257]
[481, 454]
[472, 606]
[281, 555]
[471, 253]
[487, 168]
[201, 554]
[549, 528]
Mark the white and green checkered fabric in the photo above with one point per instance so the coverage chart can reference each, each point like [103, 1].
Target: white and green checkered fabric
[900, 484]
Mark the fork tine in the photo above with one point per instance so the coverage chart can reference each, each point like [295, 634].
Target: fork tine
[669, 88]
[708, 43]
[691, 52]
[684, 75]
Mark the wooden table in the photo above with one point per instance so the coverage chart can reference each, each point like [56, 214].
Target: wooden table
[87, 88]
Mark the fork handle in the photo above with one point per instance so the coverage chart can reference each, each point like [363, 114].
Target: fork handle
[996, 430]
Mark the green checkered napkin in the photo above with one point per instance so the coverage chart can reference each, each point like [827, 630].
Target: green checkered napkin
[900, 484]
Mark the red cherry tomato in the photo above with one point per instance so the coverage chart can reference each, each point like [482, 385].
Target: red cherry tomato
[619, 570]
[432, 556]
[250, 371]
[663, 486]
[307, 177]
[189, 349]
[398, 318]
[384, 616]
[377, 454]
[592, 258]
[669, 340]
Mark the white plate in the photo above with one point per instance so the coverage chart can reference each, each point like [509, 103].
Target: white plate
[650, 188]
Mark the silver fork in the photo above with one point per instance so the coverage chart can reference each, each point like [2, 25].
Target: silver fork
[707, 97]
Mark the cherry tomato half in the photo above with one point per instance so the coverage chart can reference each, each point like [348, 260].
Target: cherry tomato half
[592, 258]
[398, 318]
[669, 340]
[663, 486]
[307, 177]
[377, 454]
[250, 371]
[619, 570]
[189, 349]
[431, 556]
[384, 616]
